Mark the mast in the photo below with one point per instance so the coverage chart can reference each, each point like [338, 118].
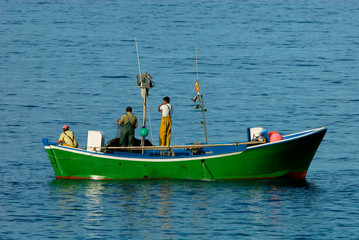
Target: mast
[142, 94]
[145, 83]
[200, 98]
[204, 120]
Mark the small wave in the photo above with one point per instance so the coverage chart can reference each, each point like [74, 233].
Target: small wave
[31, 106]
[13, 125]
[307, 65]
[337, 82]
[344, 60]
[115, 76]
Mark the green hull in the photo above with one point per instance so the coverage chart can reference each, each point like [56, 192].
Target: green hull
[290, 157]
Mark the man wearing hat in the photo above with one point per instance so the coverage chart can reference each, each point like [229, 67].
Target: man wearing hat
[67, 138]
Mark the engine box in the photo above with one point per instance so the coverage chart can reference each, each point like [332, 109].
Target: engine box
[95, 139]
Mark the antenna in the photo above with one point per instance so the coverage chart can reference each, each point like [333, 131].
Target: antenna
[138, 58]
[196, 64]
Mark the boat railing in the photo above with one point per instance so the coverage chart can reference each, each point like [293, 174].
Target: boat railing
[171, 147]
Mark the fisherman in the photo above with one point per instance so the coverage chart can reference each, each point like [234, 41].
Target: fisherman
[166, 122]
[128, 123]
[67, 138]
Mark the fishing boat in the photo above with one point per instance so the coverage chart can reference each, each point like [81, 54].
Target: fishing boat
[259, 156]
[289, 157]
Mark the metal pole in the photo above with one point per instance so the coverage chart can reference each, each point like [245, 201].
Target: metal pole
[204, 120]
[144, 115]
[144, 95]
[200, 96]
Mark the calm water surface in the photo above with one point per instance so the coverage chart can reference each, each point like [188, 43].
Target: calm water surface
[284, 65]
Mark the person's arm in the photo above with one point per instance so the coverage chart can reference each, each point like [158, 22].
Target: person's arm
[61, 139]
[136, 123]
[159, 107]
[119, 122]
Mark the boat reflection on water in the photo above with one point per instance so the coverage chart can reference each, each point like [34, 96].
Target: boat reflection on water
[164, 207]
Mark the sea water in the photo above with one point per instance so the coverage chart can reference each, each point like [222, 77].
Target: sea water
[286, 66]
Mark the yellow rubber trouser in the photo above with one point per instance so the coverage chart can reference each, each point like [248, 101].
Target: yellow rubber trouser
[165, 131]
[66, 145]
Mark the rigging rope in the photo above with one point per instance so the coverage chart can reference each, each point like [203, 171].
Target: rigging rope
[118, 127]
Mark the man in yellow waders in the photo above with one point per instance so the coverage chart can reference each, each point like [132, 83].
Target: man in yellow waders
[166, 122]
[128, 123]
[67, 138]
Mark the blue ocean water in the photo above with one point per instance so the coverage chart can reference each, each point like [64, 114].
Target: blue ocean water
[285, 65]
